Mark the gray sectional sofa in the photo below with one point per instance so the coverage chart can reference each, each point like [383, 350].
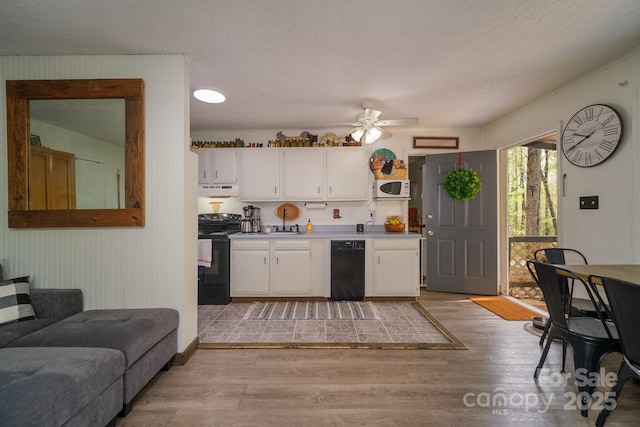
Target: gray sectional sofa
[78, 368]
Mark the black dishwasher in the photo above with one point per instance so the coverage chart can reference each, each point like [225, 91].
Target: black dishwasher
[347, 270]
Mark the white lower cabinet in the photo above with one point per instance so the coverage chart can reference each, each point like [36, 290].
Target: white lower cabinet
[396, 267]
[291, 268]
[276, 267]
[249, 268]
[296, 267]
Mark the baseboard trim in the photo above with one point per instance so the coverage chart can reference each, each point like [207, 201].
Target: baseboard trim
[183, 358]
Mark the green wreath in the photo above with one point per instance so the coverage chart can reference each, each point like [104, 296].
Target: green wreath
[462, 184]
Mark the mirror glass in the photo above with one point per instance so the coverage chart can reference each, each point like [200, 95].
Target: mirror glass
[77, 150]
[93, 131]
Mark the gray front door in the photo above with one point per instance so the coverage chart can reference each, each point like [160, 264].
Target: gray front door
[462, 236]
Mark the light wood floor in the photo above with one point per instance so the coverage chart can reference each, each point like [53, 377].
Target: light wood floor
[379, 387]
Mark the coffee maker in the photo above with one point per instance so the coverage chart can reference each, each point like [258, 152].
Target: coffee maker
[251, 222]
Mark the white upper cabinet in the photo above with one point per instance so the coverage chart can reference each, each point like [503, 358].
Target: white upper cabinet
[260, 174]
[347, 174]
[224, 165]
[217, 166]
[204, 166]
[303, 174]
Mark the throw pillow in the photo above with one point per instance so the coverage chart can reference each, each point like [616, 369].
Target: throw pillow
[15, 303]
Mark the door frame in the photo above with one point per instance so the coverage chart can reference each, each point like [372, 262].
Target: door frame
[503, 221]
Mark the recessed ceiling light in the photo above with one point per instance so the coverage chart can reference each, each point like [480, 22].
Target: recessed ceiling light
[209, 96]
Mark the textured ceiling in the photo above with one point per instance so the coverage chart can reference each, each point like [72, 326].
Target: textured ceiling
[293, 64]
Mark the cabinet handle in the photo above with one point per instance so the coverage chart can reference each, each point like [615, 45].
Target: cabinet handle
[277, 260]
[378, 259]
[205, 175]
[216, 174]
[275, 190]
[330, 190]
[318, 190]
[265, 260]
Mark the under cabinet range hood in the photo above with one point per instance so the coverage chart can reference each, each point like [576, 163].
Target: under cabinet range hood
[218, 190]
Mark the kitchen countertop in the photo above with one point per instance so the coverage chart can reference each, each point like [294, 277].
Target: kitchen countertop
[331, 232]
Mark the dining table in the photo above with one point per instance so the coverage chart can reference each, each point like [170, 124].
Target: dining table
[627, 272]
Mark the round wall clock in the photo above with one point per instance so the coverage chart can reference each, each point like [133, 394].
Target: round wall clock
[592, 135]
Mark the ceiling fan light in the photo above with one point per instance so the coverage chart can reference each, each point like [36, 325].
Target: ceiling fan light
[209, 96]
[372, 135]
[357, 134]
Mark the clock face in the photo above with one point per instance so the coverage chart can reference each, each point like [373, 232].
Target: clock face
[592, 135]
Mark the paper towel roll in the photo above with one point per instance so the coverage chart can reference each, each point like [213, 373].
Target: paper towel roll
[315, 205]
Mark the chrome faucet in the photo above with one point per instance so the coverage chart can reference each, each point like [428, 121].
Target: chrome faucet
[284, 217]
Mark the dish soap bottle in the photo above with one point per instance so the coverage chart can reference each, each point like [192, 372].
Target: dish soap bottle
[309, 226]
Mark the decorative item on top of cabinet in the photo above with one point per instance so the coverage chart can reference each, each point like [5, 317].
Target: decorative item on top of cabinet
[385, 165]
[237, 143]
[304, 140]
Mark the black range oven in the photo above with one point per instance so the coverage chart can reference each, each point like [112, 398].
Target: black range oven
[214, 256]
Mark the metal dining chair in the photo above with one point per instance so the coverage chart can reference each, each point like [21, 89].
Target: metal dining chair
[624, 300]
[578, 306]
[590, 338]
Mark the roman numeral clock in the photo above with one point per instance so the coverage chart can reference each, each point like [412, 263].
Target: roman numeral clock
[592, 135]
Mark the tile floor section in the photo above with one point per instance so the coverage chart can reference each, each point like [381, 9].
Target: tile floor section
[399, 322]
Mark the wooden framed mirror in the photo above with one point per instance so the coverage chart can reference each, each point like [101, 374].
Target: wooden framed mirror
[20, 141]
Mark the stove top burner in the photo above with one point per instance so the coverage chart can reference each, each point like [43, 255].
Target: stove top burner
[218, 225]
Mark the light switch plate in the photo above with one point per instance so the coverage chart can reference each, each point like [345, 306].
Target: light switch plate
[589, 202]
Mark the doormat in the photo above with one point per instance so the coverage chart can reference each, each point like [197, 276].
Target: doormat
[312, 310]
[396, 325]
[504, 308]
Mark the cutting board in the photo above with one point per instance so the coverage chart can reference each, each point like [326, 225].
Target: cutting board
[291, 210]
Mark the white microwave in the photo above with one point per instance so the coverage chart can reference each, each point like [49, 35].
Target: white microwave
[391, 189]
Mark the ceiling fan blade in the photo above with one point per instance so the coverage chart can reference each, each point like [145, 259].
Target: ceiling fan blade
[398, 122]
[385, 133]
[350, 124]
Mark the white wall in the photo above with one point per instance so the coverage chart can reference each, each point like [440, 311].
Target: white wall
[610, 234]
[150, 266]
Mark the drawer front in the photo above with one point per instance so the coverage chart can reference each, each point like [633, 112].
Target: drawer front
[257, 244]
[292, 244]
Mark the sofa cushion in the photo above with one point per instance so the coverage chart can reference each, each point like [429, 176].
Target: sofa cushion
[47, 388]
[12, 331]
[132, 331]
[15, 304]
[56, 303]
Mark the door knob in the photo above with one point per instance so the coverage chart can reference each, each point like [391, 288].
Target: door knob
[430, 233]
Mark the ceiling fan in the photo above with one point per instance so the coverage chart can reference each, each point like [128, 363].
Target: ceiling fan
[368, 128]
